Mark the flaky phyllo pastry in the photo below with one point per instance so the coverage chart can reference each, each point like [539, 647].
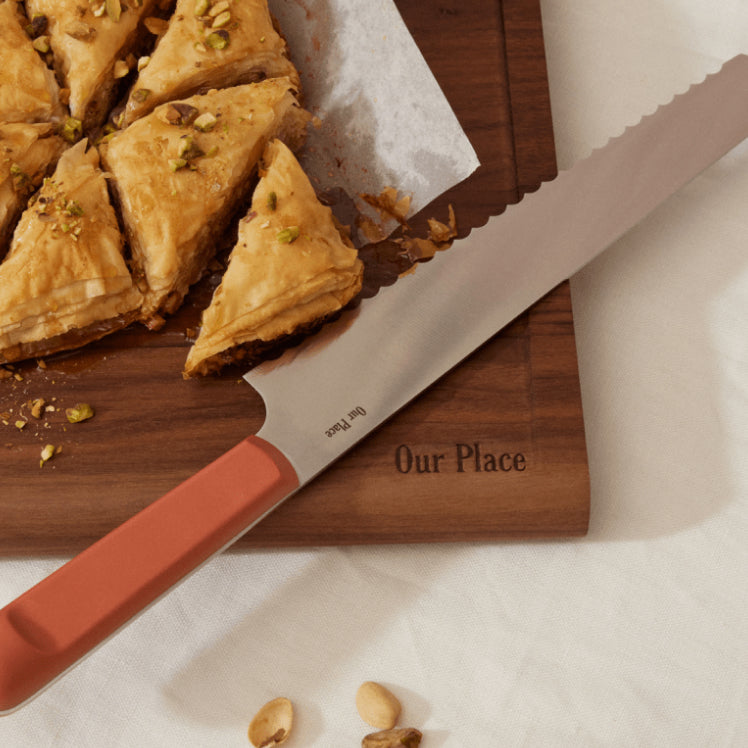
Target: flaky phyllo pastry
[28, 90]
[64, 281]
[180, 174]
[291, 267]
[28, 153]
[210, 44]
[91, 40]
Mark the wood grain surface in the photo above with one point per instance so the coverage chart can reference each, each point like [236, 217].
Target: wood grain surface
[504, 429]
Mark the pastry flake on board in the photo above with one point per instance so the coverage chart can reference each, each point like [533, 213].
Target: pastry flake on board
[88, 40]
[28, 89]
[64, 281]
[28, 153]
[210, 44]
[180, 173]
[290, 269]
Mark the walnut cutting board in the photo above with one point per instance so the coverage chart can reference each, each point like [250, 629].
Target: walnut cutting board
[494, 450]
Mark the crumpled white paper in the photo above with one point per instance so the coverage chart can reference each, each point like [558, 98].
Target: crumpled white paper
[385, 120]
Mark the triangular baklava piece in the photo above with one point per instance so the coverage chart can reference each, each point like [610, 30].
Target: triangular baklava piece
[64, 281]
[291, 268]
[182, 172]
[91, 41]
[28, 89]
[210, 44]
[28, 152]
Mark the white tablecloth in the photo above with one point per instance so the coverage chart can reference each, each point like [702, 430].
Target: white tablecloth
[633, 636]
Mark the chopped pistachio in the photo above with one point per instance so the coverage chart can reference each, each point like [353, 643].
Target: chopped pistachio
[99, 10]
[73, 208]
[37, 407]
[72, 129]
[179, 113]
[212, 151]
[113, 9]
[185, 144]
[202, 7]
[218, 39]
[19, 176]
[272, 201]
[205, 122]
[81, 412]
[143, 62]
[141, 95]
[121, 69]
[200, 47]
[20, 424]
[221, 20]
[177, 163]
[188, 149]
[47, 454]
[219, 8]
[41, 44]
[37, 26]
[289, 235]
[80, 31]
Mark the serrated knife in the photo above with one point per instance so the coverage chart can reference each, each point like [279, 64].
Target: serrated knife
[329, 393]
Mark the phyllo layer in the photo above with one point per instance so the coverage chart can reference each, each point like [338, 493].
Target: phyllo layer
[181, 172]
[64, 281]
[210, 44]
[28, 89]
[291, 268]
[90, 40]
[28, 153]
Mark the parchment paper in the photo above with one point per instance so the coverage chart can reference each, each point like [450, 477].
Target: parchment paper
[385, 120]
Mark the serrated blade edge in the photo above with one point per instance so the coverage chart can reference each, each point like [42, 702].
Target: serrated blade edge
[324, 396]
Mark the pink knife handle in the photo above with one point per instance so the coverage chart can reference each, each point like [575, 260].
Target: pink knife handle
[49, 628]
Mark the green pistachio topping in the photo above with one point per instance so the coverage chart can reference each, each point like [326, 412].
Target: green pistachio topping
[219, 8]
[81, 412]
[272, 200]
[37, 26]
[201, 7]
[289, 235]
[141, 95]
[179, 113]
[73, 208]
[188, 149]
[177, 163]
[19, 177]
[113, 9]
[221, 20]
[205, 122]
[218, 39]
[72, 129]
[41, 44]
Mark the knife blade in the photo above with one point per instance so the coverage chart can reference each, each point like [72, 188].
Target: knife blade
[329, 393]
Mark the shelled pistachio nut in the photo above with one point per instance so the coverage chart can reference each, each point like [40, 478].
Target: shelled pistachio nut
[272, 724]
[377, 706]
